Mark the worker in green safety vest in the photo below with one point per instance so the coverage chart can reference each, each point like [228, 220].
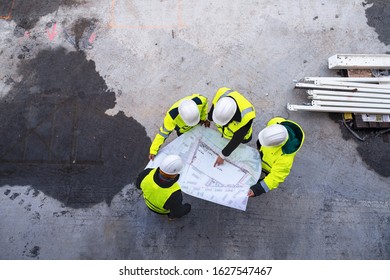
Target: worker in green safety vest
[181, 116]
[161, 190]
[278, 144]
[233, 115]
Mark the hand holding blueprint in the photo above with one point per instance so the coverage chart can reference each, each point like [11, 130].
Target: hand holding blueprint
[226, 184]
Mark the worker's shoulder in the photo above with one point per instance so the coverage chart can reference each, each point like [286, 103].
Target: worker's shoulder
[174, 112]
[145, 172]
[198, 98]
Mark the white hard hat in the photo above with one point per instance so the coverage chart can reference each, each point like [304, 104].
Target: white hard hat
[189, 112]
[171, 165]
[273, 135]
[224, 110]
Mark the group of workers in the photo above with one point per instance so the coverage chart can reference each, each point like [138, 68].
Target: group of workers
[233, 116]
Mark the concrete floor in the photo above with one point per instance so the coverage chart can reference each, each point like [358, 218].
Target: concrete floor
[84, 86]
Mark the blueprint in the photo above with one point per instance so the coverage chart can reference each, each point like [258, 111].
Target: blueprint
[227, 184]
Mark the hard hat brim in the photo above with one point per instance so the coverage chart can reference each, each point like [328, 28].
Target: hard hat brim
[218, 121]
[193, 123]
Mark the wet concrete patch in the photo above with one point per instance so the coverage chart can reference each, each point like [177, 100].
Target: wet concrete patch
[31, 253]
[34, 192]
[372, 147]
[14, 195]
[5, 8]
[26, 14]
[57, 137]
[376, 153]
[378, 17]
[82, 33]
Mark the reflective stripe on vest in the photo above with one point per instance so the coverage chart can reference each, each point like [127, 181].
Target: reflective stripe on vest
[226, 93]
[246, 111]
[164, 132]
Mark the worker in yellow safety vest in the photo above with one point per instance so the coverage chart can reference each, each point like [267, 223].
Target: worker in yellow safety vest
[278, 144]
[161, 190]
[233, 115]
[182, 116]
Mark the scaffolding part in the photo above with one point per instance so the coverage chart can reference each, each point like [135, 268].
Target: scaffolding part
[359, 61]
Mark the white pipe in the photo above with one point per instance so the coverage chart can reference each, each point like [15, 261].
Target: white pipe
[304, 85]
[353, 89]
[349, 79]
[347, 84]
[292, 107]
[350, 104]
[346, 93]
[349, 98]
[359, 61]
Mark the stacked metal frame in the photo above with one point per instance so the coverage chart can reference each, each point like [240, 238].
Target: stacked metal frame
[345, 95]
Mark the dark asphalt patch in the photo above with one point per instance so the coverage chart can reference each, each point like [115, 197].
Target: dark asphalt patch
[26, 13]
[57, 138]
[374, 151]
[378, 17]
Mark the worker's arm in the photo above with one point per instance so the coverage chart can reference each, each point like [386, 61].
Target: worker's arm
[210, 115]
[203, 112]
[256, 190]
[164, 131]
[141, 176]
[237, 139]
[279, 172]
[258, 145]
[176, 206]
